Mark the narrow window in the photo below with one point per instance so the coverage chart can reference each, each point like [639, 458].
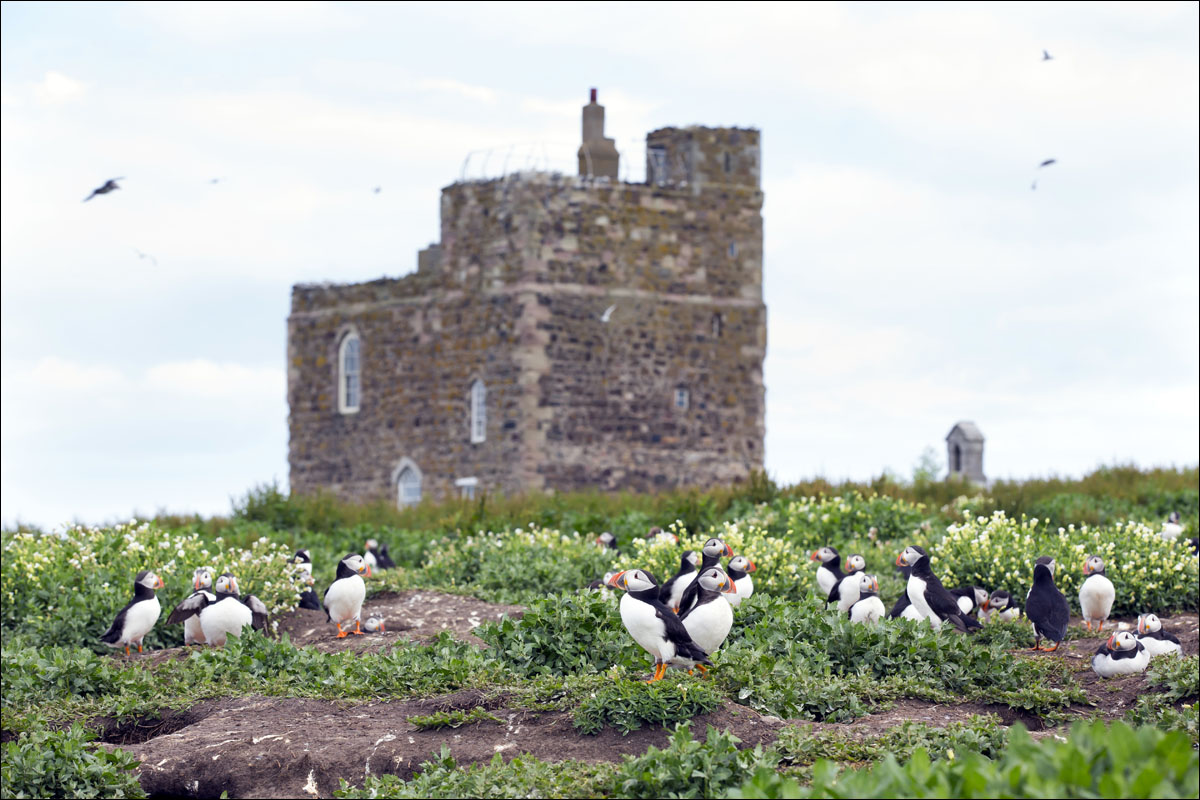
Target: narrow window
[681, 399]
[716, 326]
[657, 162]
[728, 164]
[732, 249]
[957, 458]
[478, 412]
[408, 487]
[466, 487]
[350, 374]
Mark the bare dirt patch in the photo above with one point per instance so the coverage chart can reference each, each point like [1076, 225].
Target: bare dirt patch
[288, 747]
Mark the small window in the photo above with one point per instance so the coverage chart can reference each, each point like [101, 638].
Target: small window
[732, 249]
[717, 323]
[728, 164]
[408, 487]
[466, 487]
[349, 374]
[656, 158]
[478, 412]
[681, 399]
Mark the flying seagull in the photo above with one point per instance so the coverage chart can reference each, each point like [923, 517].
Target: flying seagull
[1047, 162]
[142, 255]
[109, 185]
[1046, 56]
[377, 189]
[608, 312]
[215, 180]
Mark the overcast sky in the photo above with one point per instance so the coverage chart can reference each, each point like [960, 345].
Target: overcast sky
[912, 276]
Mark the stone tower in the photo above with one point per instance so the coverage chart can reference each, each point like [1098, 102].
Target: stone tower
[964, 452]
[565, 333]
[598, 157]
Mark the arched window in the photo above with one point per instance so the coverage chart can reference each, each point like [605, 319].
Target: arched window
[408, 484]
[349, 374]
[957, 458]
[478, 412]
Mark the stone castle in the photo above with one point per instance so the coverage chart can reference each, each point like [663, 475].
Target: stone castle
[567, 332]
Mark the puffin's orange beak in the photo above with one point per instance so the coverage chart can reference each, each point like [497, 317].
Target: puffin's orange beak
[900, 562]
[985, 605]
[814, 556]
[874, 585]
[1110, 641]
[613, 580]
[728, 551]
[160, 584]
[732, 588]
[1141, 624]
[196, 584]
[1086, 569]
[750, 566]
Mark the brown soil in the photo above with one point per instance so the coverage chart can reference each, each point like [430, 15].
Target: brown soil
[287, 747]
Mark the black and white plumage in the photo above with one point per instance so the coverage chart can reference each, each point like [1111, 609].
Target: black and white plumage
[138, 616]
[739, 570]
[658, 534]
[903, 608]
[927, 594]
[375, 625]
[830, 570]
[1000, 608]
[308, 598]
[202, 581]
[845, 591]
[709, 620]
[970, 599]
[710, 556]
[671, 593]
[1096, 595]
[868, 608]
[110, 185]
[376, 555]
[1122, 654]
[1157, 641]
[1046, 607]
[608, 540]
[652, 625]
[1172, 528]
[222, 612]
[1046, 56]
[344, 598]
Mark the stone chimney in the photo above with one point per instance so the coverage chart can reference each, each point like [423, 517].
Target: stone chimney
[597, 155]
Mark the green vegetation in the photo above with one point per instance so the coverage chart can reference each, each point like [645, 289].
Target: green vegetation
[63, 764]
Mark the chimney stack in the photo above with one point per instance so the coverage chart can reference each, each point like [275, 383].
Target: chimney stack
[597, 155]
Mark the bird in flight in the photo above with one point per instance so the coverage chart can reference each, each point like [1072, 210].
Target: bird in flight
[608, 312]
[377, 189]
[109, 185]
[1046, 56]
[215, 180]
[142, 255]
[1047, 162]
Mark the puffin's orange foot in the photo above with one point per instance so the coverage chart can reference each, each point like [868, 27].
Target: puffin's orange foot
[1100, 627]
[343, 634]
[358, 629]
[703, 669]
[659, 669]
[1088, 623]
[139, 647]
[126, 649]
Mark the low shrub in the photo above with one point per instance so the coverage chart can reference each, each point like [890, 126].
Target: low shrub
[563, 634]
[63, 764]
[802, 746]
[690, 768]
[629, 704]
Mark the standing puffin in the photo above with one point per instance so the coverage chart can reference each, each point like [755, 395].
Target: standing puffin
[830, 570]
[1096, 595]
[344, 597]
[308, 598]
[1000, 608]
[138, 616]
[1171, 528]
[711, 554]
[1046, 607]
[903, 608]
[225, 613]
[376, 555]
[202, 581]
[609, 541]
[671, 593]
[1157, 641]
[651, 624]
[1122, 654]
[970, 599]
[739, 570]
[845, 591]
[928, 595]
[868, 607]
[709, 620]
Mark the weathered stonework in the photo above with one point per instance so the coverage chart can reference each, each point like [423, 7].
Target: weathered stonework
[514, 295]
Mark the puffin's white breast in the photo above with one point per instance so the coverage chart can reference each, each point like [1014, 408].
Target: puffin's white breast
[745, 590]
[1107, 666]
[1096, 597]
[227, 615]
[825, 579]
[709, 624]
[916, 596]
[868, 609]
[140, 618]
[345, 598]
[848, 592]
[678, 587]
[1160, 647]
[643, 624]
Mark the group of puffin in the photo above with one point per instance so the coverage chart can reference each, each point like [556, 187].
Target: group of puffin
[215, 608]
[682, 622]
[965, 608]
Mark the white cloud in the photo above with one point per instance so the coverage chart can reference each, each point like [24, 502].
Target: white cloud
[57, 88]
[54, 374]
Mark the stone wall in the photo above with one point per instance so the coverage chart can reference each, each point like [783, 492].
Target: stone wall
[514, 294]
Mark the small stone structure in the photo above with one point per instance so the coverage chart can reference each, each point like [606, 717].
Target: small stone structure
[567, 332]
[964, 452]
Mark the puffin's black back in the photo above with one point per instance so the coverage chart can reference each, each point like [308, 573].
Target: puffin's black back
[1046, 607]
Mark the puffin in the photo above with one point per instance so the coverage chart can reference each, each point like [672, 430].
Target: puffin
[1122, 654]
[1096, 595]
[710, 556]
[308, 598]
[845, 591]
[375, 625]
[344, 597]
[1157, 641]
[1000, 608]
[709, 620]
[739, 570]
[138, 616]
[671, 592]
[1046, 607]
[903, 608]
[929, 596]
[971, 599]
[608, 540]
[226, 613]
[868, 607]
[658, 534]
[651, 624]
[830, 570]
[376, 555]
[202, 581]
[1171, 528]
